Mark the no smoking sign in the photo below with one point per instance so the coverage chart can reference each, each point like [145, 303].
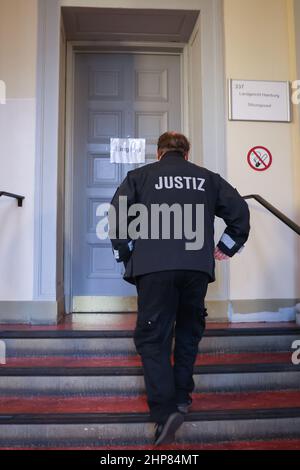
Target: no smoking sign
[259, 158]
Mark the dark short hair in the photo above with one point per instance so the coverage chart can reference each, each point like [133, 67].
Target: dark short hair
[173, 141]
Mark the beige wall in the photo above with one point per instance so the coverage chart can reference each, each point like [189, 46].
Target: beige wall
[258, 43]
[18, 19]
[18, 44]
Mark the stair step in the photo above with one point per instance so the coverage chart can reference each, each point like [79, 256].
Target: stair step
[59, 343]
[135, 361]
[116, 325]
[130, 365]
[114, 338]
[126, 322]
[274, 444]
[124, 381]
[12, 405]
[138, 418]
[124, 375]
[82, 387]
[106, 429]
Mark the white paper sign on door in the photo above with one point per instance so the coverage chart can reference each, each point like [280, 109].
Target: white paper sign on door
[127, 150]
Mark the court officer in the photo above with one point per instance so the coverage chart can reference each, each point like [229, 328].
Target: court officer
[171, 273]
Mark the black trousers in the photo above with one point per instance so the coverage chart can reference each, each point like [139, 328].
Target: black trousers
[169, 302]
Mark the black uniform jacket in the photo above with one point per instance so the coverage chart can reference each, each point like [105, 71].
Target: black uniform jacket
[173, 180]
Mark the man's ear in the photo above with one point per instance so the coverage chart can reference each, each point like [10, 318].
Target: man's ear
[186, 156]
[159, 154]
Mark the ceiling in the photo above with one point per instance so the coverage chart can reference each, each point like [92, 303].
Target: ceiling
[112, 24]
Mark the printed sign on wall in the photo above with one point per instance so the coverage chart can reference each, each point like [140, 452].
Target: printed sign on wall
[259, 100]
[259, 158]
[127, 150]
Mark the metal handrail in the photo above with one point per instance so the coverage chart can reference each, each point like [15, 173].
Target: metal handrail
[290, 223]
[15, 196]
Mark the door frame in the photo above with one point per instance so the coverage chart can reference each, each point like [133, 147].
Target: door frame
[82, 47]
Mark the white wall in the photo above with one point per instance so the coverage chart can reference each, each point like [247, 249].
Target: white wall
[17, 146]
[257, 44]
[17, 135]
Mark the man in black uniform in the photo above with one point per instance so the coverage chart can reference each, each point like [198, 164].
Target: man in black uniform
[170, 271]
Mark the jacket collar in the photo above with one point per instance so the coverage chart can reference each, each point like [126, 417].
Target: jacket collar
[172, 153]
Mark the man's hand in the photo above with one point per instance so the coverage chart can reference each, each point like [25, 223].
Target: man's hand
[219, 255]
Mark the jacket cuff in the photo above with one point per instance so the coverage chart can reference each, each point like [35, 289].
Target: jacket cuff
[122, 251]
[227, 245]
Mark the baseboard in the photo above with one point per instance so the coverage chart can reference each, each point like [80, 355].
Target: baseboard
[217, 310]
[31, 312]
[262, 310]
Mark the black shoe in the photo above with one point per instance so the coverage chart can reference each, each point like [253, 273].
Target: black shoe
[165, 433]
[184, 407]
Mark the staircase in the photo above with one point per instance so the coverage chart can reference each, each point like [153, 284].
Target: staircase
[80, 386]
